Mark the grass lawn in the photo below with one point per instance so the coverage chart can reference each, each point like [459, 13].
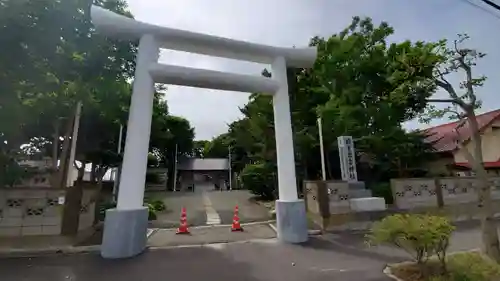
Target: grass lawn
[465, 266]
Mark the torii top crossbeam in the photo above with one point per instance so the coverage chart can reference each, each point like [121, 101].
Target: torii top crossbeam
[119, 26]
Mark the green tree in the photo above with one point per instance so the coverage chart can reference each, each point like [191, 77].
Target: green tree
[360, 87]
[61, 62]
[199, 148]
[170, 134]
[461, 104]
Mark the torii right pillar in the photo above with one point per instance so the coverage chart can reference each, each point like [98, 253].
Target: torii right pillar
[291, 215]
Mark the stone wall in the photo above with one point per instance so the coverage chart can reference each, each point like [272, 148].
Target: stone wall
[328, 202]
[424, 192]
[38, 211]
[328, 205]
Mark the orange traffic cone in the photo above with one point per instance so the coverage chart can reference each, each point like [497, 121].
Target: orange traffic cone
[183, 228]
[236, 221]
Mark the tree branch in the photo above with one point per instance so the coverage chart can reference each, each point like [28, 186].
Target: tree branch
[442, 100]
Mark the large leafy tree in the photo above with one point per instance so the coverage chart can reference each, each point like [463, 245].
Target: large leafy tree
[359, 86]
[53, 60]
[56, 60]
[170, 135]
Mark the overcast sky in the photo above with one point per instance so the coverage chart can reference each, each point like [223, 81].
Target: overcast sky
[294, 22]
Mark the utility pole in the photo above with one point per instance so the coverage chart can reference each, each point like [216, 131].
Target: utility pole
[322, 149]
[230, 170]
[74, 137]
[175, 168]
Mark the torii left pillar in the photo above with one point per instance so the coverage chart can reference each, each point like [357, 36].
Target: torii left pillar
[130, 212]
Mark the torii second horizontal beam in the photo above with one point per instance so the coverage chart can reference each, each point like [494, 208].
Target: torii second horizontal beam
[211, 79]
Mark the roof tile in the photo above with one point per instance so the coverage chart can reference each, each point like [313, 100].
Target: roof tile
[443, 136]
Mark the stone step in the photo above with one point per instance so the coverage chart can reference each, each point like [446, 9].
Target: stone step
[360, 193]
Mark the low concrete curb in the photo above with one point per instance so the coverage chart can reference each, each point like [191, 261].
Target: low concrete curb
[25, 253]
[388, 271]
[213, 245]
[311, 232]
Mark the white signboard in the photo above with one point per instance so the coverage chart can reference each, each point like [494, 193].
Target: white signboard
[347, 159]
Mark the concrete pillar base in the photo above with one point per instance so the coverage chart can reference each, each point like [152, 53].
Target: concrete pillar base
[125, 233]
[291, 221]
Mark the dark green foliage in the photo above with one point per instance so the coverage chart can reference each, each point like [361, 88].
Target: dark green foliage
[360, 87]
[260, 179]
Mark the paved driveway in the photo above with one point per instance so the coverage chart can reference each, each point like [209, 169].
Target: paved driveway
[214, 203]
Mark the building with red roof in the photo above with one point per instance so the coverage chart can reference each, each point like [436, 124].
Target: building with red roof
[452, 159]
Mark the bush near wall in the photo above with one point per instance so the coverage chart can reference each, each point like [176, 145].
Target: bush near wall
[382, 189]
[426, 239]
[260, 180]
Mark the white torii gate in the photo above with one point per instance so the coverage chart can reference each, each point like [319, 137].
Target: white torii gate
[125, 226]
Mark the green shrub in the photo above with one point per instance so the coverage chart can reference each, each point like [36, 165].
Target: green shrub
[472, 266]
[260, 180]
[465, 266]
[382, 189]
[157, 205]
[152, 213]
[421, 236]
[153, 178]
[154, 207]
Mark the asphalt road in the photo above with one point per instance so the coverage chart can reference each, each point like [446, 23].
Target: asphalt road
[268, 260]
[331, 257]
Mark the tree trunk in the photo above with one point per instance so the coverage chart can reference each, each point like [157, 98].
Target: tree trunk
[63, 165]
[93, 173]
[55, 145]
[55, 154]
[489, 232]
[328, 164]
[81, 172]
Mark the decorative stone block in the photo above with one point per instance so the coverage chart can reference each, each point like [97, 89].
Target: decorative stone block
[52, 211]
[35, 202]
[32, 221]
[339, 208]
[31, 230]
[340, 219]
[11, 222]
[34, 194]
[85, 221]
[10, 231]
[51, 229]
[55, 194]
[31, 212]
[15, 203]
[13, 212]
[15, 194]
[52, 202]
[367, 204]
[51, 221]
